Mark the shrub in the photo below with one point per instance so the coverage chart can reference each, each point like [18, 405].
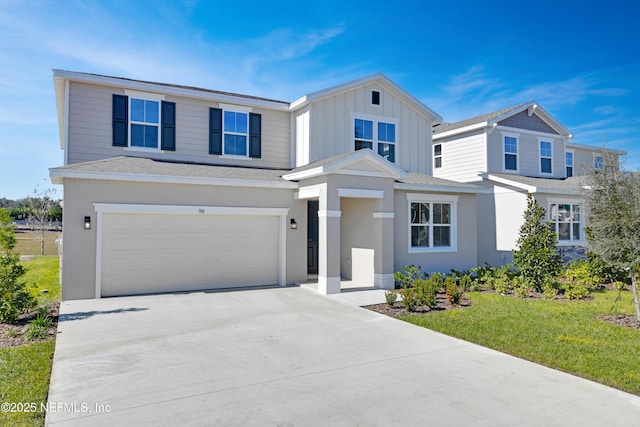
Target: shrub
[573, 291]
[453, 293]
[409, 299]
[549, 291]
[607, 272]
[427, 292]
[520, 287]
[390, 297]
[579, 271]
[465, 283]
[408, 275]
[39, 326]
[619, 286]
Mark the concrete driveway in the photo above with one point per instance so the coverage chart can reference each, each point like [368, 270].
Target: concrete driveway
[290, 357]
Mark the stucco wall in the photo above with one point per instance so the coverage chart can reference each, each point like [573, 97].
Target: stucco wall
[79, 262]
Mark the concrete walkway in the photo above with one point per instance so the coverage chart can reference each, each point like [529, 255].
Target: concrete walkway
[290, 357]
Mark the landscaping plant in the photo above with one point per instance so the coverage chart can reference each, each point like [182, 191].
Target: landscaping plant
[390, 298]
[536, 256]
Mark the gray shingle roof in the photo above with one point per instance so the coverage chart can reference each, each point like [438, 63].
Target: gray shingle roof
[421, 179]
[573, 184]
[444, 127]
[144, 166]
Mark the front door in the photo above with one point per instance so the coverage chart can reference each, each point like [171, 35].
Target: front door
[312, 236]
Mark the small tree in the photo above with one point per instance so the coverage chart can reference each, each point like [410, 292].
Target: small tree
[14, 298]
[536, 256]
[612, 198]
[40, 204]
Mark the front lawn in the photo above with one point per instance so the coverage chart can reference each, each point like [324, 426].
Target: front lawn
[561, 334]
[25, 364]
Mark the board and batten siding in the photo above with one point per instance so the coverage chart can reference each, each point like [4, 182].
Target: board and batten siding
[528, 152]
[330, 127]
[90, 131]
[463, 158]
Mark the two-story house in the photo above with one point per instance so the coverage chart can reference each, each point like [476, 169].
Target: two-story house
[513, 152]
[174, 188]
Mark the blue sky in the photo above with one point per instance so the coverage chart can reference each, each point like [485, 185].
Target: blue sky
[579, 60]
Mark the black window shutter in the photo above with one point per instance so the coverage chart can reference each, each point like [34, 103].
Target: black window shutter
[168, 126]
[215, 131]
[255, 135]
[120, 121]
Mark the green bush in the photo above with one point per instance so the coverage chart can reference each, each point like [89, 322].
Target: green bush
[409, 299]
[580, 272]
[390, 297]
[574, 291]
[427, 291]
[619, 286]
[520, 287]
[453, 293]
[465, 283]
[609, 273]
[549, 291]
[408, 275]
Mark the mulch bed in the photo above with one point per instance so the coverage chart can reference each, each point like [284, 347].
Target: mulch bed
[14, 335]
[398, 307]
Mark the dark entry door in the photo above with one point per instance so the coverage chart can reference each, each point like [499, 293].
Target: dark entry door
[312, 236]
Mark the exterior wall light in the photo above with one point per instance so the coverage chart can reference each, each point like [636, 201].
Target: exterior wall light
[87, 223]
[294, 224]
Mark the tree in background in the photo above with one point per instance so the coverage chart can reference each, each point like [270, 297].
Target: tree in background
[612, 198]
[40, 204]
[14, 297]
[536, 256]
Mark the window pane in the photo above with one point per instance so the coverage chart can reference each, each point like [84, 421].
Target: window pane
[569, 171]
[598, 162]
[438, 162]
[363, 144]
[235, 145]
[229, 121]
[151, 111]
[420, 236]
[388, 151]
[437, 150]
[137, 136]
[569, 159]
[419, 213]
[576, 212]
[564, 212]
[241, 122]
[510, 162]
[386, 132]
[510, 145]
[545, 165]
[364, 129]
[554, 212]
[151, 136]
[576, 231]
[137, 110]
[545, 149]
[563, 231]
[441, 236]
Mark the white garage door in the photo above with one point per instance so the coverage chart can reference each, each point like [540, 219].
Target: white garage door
[149, 253]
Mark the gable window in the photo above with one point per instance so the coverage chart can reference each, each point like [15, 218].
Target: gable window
[437, 156]
[143, 121]
[432, 223]
[380, 136]
[510, 149]
[566, 219]
[546, 158]
[375, 97]
[235, 131]
[598, 162]
[568, 162]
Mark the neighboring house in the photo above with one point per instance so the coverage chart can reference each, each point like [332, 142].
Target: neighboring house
[174, 188]
[512, 152]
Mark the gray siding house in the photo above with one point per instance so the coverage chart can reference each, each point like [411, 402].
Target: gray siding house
[513, 152]
[174, 188]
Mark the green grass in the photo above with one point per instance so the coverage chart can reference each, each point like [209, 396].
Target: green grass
[44, 273]
[560, 334]
[24, 378]
[29, 243]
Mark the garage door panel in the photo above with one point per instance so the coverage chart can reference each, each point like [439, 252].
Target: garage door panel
[164, 253]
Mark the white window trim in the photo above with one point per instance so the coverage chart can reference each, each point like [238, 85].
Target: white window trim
[234, 109]
[504, 163]
[379, 98]
[595, 156]
[569, 201]
[375, 119]
[573, 159]
[434, 156]
[540, 156]
[434, 198]
[146, 96]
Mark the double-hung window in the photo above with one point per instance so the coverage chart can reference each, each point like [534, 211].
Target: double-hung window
[432, 223]
[437, 156]
[143, 121]
[566, 218]
[236, 128]
[598, 162]
[378, 135]
[546, 157]
[568, 162]
[510, 149]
